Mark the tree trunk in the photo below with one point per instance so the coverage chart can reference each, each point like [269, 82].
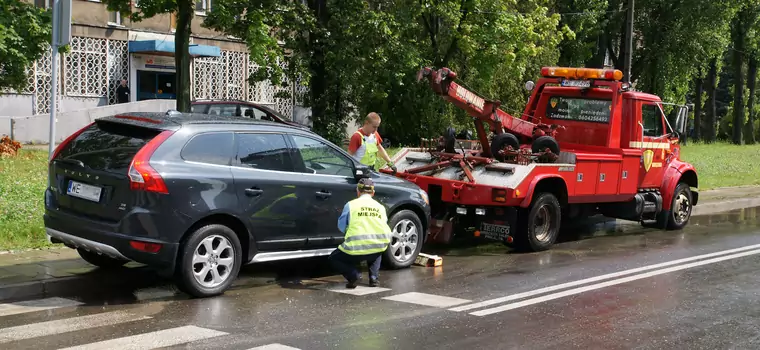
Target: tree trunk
[712, 78]
[751, 83]
[738, 62]
[318, 81]
[699, 86]
[182, 53]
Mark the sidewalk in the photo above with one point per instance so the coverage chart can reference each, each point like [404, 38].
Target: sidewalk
[60, 271]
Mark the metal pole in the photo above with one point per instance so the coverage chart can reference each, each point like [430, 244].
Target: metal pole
[53, 77]
[628, 59]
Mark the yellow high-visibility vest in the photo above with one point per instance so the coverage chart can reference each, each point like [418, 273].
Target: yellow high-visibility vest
[368, 231]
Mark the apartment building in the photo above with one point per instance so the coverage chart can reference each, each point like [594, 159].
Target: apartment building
[106, 48]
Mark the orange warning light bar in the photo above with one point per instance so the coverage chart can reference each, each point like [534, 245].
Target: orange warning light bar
[581, 73]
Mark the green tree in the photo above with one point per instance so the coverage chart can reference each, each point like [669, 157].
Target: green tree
[361, 56]
[25, 33]
[184, 10]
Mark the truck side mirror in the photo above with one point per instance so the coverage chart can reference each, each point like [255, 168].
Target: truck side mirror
[681, 119]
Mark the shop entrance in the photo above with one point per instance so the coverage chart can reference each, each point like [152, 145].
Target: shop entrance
[153, 85]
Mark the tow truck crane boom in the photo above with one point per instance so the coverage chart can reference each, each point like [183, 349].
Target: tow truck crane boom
[442, 83]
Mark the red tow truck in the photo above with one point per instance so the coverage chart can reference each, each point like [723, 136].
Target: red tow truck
[585, 144]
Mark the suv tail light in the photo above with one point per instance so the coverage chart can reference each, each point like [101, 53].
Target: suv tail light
[141, 175]
[65, 142]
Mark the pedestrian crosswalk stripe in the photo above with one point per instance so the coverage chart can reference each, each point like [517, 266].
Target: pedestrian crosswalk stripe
[427, 299]
[153, 340]
[42, 329]
[275, 346]
[35, 305]
[359, 290]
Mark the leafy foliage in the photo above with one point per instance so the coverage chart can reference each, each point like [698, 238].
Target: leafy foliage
[25, 34]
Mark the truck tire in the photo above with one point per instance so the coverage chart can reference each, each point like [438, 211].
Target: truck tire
[450, 139]
[501, 141]
[224, 260]
[680, 209]
[538, 226]
[407, 231]
[543, 142]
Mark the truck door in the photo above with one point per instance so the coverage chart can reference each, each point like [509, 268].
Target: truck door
[654, 144]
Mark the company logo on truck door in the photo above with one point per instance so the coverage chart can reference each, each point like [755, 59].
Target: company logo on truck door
[469, 97]
[647, 157]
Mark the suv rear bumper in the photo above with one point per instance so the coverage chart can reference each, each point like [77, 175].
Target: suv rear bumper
[75, 234]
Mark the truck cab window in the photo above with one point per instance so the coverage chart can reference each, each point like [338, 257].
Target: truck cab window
[651, 117]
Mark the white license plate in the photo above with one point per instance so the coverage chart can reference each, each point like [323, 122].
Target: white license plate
[493, 231]
[88, 192]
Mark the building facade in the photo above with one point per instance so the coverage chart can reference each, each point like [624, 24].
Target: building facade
[106, 48]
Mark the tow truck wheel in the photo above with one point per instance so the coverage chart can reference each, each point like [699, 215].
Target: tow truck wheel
[541, 143]
[406, 240]
[538, 227]
[680, 209]
[450, 140]
[501, 142]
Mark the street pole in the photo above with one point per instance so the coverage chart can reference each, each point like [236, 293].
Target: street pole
[628, 59]
[53, 76]
[60, 38]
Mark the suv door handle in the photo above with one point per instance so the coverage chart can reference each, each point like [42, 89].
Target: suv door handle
[323, 194]
[253, 192]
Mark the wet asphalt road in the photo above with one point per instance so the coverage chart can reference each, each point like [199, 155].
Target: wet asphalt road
[699, 303]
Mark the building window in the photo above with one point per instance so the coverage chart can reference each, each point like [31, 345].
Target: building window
[114, 18]
[42, 3]
[202, 6]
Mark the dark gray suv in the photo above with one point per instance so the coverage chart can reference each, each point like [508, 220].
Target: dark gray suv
[198, 196]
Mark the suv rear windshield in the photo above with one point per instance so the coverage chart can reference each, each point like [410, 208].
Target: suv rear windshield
[108, 146]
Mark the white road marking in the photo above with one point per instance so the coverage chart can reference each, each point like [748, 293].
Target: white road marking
[275, 346]
[42, 329]
[596, 279]
[359, 290]
[608, 283]
[427, 299]
[36, 305]
[153, 340]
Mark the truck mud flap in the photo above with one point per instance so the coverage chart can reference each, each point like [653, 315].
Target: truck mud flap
[501, 228]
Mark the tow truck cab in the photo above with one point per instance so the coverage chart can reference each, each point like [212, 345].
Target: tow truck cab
[620, 137]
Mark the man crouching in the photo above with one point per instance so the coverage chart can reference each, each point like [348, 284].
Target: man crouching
[367, 235]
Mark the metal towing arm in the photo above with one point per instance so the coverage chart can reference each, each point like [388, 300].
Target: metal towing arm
[442, 83]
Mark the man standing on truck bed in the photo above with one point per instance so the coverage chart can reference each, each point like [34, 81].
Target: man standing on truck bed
[367, 235]
[366, 142]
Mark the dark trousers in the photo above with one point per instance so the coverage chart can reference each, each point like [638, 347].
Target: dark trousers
[346, 264]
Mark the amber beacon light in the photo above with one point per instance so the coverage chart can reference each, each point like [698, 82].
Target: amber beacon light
[581, 73]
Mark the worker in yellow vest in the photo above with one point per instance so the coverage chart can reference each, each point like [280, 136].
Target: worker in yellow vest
[366, 143]
[367, 235]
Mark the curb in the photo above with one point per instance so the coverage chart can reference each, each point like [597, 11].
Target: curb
[125, 279]
[710, 208]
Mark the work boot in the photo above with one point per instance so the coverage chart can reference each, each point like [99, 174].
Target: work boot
[352, 284]
[373, 282]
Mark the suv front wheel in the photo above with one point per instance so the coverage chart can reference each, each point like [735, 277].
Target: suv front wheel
[407, 236]
[209, 261]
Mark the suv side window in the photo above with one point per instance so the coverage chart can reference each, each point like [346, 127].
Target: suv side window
[317, 157]
[651, 117]
[212, 148]
[254, 113]
[229, 110]
[263, 151]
